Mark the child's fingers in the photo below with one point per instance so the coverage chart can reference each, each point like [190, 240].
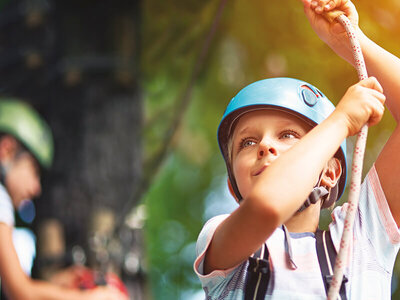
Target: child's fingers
[313, 4]
[322, 5]
[363, 103]
[308, 11]
[377, 114]
[330, 5]
[379, 96]
[375, 98]
[372, 83]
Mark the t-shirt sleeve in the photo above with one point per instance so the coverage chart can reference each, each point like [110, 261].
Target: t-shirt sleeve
[374, 224]
[381, 228]
[218, 279]
[6, 209]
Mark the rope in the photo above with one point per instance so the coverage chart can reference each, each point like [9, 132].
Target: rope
[356, 171]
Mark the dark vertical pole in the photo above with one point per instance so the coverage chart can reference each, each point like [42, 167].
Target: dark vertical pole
[77, 63]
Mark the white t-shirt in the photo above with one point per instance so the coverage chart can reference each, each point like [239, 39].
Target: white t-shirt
[371, 257]
[6, 207]
[24, 240]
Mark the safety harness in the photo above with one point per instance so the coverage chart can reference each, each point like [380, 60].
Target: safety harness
[259, 271]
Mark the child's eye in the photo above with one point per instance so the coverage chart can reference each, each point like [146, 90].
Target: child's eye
[289, 134]
[247, 142]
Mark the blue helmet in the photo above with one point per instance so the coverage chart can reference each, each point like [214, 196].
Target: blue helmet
[294, 96]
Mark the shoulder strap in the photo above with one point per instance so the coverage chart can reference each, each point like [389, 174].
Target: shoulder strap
[258, 271]
[326, 253]
[258, 274]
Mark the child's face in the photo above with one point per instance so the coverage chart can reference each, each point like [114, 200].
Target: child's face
[258, 139]
[23, 179]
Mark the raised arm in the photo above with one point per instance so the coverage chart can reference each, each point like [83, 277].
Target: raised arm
[381, 64]
[18, 286]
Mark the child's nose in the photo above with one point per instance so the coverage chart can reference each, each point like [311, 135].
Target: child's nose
[265, 149]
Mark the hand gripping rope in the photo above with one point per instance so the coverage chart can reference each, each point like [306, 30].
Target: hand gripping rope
[357, 166]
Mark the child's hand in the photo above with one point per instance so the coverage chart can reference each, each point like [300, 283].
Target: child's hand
[363, 103]
[332, 33]
[68, 277]
[105, 293]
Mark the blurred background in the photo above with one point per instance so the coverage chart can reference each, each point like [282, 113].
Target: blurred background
[134, 91]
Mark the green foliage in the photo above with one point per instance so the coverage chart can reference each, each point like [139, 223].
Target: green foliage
[254, 41]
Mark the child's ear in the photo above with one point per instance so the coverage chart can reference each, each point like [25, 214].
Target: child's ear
[331, 173]
[232, 191]
[8, 147]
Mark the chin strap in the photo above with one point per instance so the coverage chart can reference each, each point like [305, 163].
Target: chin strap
[316, 194]
[3, 174]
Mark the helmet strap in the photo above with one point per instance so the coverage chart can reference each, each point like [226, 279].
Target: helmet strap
[318, 193]
[331, 198]
[4, 168]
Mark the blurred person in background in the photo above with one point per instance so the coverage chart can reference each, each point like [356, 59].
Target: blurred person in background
[26, 148]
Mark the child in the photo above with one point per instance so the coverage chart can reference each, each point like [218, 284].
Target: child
[26, 144]
[282, 142]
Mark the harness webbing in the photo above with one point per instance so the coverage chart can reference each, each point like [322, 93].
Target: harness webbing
[259, 272]
[326, 253]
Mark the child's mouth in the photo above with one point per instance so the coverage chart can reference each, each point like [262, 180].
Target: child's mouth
[260, 171]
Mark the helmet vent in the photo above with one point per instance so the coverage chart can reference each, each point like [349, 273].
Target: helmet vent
[309, 95]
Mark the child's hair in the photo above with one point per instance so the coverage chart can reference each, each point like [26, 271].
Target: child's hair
[292, 96]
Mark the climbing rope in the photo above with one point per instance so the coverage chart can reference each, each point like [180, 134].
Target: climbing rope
[357, 166]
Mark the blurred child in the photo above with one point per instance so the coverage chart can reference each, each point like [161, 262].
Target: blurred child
[26, 145]
[283, 144]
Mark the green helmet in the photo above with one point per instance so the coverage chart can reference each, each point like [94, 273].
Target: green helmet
[21, 121]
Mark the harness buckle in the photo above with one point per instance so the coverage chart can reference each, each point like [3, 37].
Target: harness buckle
[258, 265]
